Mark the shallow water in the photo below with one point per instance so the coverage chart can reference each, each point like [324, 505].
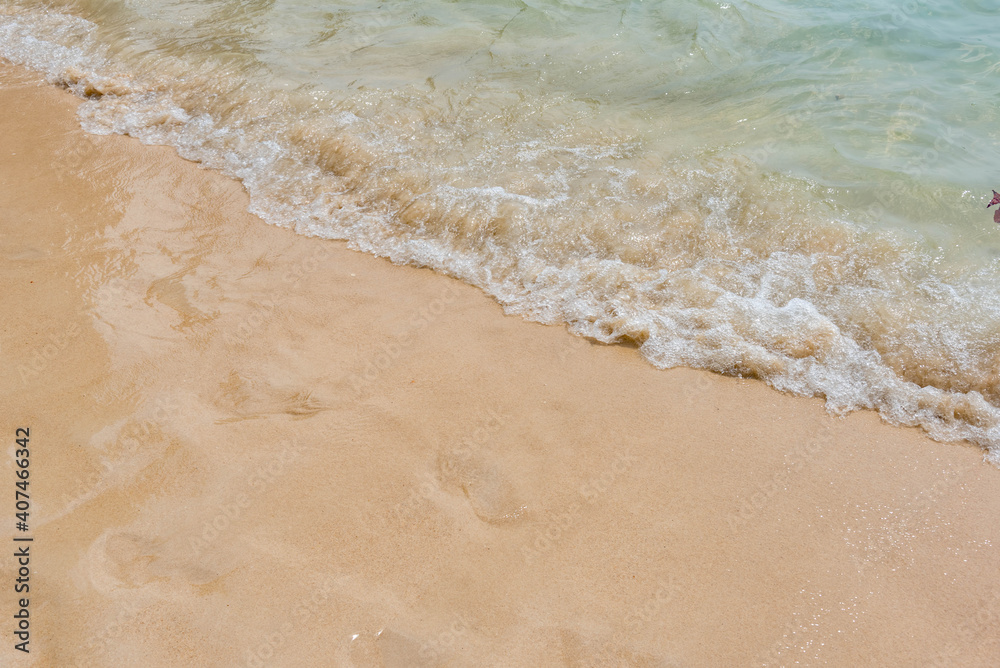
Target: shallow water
[762, 189]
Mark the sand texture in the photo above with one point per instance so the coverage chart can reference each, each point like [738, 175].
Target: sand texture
[252, 448]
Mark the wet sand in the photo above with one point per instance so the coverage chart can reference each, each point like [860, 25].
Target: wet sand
[252, 448]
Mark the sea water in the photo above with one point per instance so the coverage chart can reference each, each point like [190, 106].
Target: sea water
[790, 191]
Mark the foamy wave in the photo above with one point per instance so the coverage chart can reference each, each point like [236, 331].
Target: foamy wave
[698, 258]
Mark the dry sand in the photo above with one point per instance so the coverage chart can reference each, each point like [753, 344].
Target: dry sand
[251, 448]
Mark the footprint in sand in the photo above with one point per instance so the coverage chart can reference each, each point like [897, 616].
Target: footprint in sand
[481, 479]
[124, 560]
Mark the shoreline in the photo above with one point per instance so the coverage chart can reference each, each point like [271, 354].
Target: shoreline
[271, 450]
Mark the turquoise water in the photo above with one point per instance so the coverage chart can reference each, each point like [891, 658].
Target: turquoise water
[789, 191]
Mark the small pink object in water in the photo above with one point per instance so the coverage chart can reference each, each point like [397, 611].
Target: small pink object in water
[996, 200]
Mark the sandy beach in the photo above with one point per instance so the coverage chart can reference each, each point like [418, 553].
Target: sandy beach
[254, 448]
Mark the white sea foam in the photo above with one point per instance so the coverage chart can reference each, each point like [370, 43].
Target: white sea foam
[624, 224]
